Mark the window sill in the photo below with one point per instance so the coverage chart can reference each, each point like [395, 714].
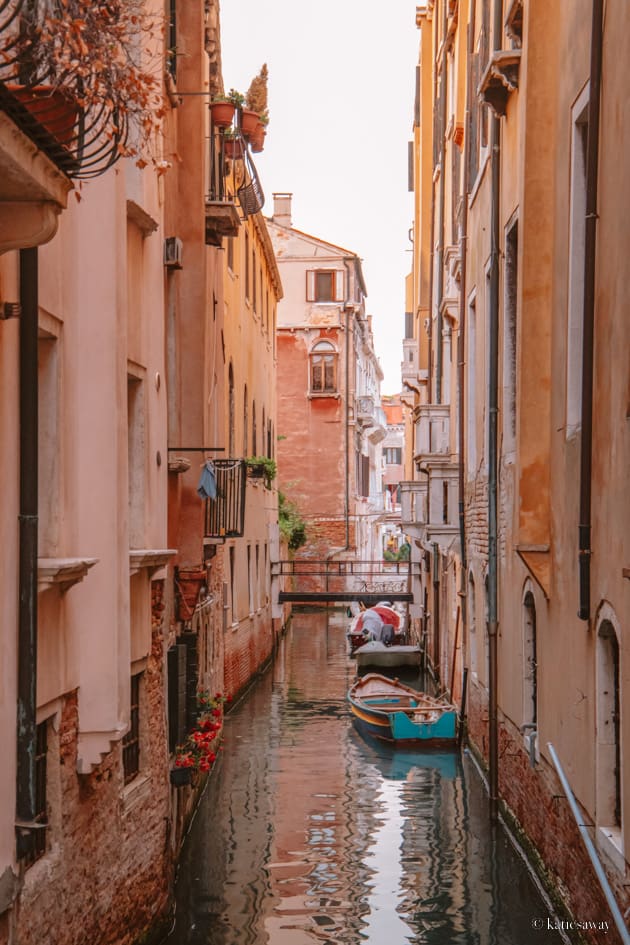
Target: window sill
[62, 572]
[609, 841]
[136, 792]
[329, 395]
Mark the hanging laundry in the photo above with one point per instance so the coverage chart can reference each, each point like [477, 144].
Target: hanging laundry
[207, 488]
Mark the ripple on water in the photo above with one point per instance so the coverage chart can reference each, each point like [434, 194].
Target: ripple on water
[308, 835]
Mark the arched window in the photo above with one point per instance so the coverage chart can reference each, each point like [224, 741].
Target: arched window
[530, 666]
[231, 411]
[245, 421]
[323, 360]
[609, 811]
[254, 436]
[262, 434]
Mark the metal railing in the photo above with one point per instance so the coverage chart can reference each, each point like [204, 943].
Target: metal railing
[225, 515]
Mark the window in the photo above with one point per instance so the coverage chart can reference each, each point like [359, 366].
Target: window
[250, 579]
[609, 812]
[233, 583]
[247, 267]
[230, 253]
[254, 431]
[324, 285]
[254, 281]
[49, 495]
[245, 422]
[393, 455]
[231, 437]
[471, 388]
[38, 841]
[408, 325]
[136, 468]
[131, 741]
[530, 666]
[323, 368]
[577, 235]
[509, 340]
[172, 39]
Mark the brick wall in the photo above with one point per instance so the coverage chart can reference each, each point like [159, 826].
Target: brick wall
[106, 874]
[248, 646]
[535, 799]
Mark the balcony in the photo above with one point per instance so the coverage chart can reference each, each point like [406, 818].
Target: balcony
[378, 431]
[409, 366]
[443, 511]
[365, 411]
[414, 507]
[432, 433]
[225, 515]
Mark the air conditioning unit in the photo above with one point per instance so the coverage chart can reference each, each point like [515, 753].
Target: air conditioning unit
[173, 251]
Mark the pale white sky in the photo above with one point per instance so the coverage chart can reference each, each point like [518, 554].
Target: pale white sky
[341, 89]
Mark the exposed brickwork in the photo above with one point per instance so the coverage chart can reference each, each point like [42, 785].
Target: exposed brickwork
[535, 799]
[247, 649]
[106, 875]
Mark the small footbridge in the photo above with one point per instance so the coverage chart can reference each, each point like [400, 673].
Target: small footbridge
[313, 581]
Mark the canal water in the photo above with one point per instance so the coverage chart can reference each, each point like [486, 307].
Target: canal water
[307, 834]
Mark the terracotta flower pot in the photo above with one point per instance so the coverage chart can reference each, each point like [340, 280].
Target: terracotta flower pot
[57, 113]
[257, 140]
[233, 148]
[222, 113]
[249, 122]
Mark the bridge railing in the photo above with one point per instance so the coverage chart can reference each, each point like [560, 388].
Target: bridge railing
[311, 579]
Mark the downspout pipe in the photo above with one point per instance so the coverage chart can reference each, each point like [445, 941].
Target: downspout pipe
[440, 253]
[493, 411]
[28, 520]
[461, 343]
[588, 322]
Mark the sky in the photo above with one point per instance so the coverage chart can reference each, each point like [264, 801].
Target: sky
[341, 89]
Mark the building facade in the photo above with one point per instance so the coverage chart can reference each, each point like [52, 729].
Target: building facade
[519, 405]
[330, 420]
[118, 339]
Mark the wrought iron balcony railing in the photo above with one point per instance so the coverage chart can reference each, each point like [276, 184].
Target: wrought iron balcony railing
[225, 515]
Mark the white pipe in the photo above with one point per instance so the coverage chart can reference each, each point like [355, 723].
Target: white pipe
[590, 849]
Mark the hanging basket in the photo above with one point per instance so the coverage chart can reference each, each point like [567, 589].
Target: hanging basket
[222, 113]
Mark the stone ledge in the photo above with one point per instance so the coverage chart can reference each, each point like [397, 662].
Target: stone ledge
[62, 572]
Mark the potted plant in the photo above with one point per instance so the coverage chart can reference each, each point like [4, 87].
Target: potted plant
[222, 111]
[197, 755]
[261, 467]
[257, 103]
[96, 56]
[233, 147]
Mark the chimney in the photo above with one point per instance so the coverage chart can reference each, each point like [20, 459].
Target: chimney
[282, 209]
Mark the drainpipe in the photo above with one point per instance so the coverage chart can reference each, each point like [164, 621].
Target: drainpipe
[461, 343]
[590, 246]
[440, 254]
[493, 409]
[436, 613]
[349, 313]
[27, 608]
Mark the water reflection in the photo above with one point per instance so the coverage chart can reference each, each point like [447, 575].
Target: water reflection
[309, 834]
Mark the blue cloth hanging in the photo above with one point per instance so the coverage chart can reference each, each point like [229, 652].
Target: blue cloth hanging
[207, 488]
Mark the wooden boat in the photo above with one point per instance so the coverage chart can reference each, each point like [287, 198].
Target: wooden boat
[393, 712]
[374, 653]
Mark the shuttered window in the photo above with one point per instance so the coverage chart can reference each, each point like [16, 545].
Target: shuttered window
[324, 285]
[131, 741]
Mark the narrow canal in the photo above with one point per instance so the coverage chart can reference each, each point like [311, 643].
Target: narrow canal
[309, 835]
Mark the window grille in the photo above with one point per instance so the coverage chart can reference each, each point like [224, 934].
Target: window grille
[131, 741]
[38, 841]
